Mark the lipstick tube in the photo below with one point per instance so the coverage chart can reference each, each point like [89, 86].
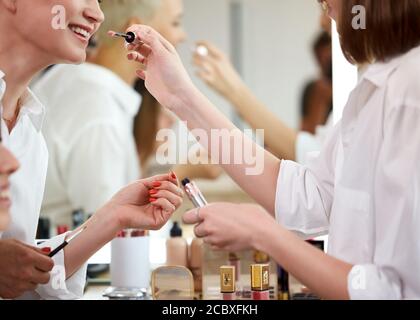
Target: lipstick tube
[260, 281]
[194, 193]
[227, 282]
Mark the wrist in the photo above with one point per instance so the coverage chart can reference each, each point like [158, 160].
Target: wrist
[108, 216]
[267, 234]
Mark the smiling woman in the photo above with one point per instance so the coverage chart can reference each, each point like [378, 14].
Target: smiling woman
[21, 124]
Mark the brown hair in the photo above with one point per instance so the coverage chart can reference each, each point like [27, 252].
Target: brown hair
[146, 124]
[392, 28]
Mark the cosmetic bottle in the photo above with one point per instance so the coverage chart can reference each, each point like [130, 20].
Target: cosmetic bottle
[227, 282]
[176, 248]
[283, 284]
[260, 281]
[196, 263]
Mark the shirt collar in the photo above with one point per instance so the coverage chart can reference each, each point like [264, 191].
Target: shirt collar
[31, 106]
[378, 73]
[128, 98]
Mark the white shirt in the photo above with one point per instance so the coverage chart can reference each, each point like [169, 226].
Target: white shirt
[27, 144]
[308, 145]
[89, 134]
[364, 189]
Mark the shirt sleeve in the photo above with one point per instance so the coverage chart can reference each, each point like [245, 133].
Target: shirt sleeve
[394, 271]
[307, 145]
[95, 167]
[304, 194]
[58, 287]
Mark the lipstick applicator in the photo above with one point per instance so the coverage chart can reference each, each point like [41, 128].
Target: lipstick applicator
[129, 37]
[193, 193]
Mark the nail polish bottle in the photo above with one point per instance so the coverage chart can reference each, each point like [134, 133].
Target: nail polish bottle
[227, 282]
[260, 281]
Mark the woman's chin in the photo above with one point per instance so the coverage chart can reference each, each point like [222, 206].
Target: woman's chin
[74, 57]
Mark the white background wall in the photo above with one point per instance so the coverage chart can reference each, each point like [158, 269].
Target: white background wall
[277, 36]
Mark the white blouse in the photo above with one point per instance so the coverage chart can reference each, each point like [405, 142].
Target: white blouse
[89, 134]
[27, 189]
[364, 188]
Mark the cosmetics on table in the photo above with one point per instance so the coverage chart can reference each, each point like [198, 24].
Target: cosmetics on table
[260, 281]
[227, 282]
[176, 248]
[195, 263]
[283, 284]
[130, 264]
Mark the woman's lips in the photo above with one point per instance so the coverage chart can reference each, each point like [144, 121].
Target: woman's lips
[82, 33]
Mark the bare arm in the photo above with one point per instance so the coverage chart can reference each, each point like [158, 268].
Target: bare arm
[167, 80]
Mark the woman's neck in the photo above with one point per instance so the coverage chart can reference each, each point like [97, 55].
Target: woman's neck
[19, 62]
[114, 59]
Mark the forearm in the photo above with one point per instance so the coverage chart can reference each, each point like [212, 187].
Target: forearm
[323, 274]
[100, 229]
[280, 138]
[205, 116]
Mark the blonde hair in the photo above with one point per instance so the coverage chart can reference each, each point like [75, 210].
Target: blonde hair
[117, 13]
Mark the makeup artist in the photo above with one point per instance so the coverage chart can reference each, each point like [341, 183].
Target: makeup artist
[363, 189]
[29, 46]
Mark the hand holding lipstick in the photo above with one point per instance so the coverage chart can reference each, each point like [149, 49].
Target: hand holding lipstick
[231, 227]
[165, 76]
[147, 204]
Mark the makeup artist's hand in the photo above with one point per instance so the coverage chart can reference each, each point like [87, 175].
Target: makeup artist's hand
[216, 70]
[231, 227]
[165, 76]
[22, 268]
[147, 204]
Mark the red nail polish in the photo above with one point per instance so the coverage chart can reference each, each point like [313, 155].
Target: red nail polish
[152, 199]
[157, 184]
[153, 191]
[46, 250]
[173, 175]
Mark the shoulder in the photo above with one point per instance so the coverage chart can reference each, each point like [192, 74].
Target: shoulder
[404, 83]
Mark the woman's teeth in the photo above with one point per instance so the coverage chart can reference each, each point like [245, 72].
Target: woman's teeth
[80, 31]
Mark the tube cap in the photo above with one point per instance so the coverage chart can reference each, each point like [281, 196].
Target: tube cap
[260, 277]
[176, 231]
[227, 279]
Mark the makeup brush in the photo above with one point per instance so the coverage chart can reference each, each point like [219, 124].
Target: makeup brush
[66, 242]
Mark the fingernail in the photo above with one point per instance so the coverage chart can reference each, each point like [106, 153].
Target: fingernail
[152, 199]
[157, 184]
[46, 250]
[153, 191]
[173, 175]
